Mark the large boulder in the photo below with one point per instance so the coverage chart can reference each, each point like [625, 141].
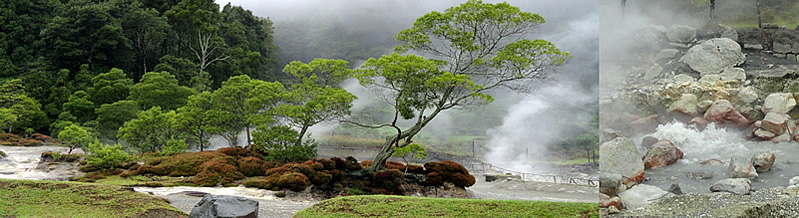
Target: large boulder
[724, 113]
[779, 103]
[741, 167]
[620, 156]
[661, 154]
[763, 161]
[739, 186]
[225, 206]
[713, 56]
[641, 195]
[681, 34]
[609, 183]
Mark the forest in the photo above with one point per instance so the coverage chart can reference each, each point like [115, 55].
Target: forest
[160, 75]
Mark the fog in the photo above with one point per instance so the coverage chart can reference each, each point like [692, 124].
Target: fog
[530, 120]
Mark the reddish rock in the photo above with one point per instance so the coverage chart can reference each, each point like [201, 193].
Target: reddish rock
[775, 123]
[763, 161]
[741, 167]
[724, 113]
[712, 162]
[606, 201]
[661, 154]
[764, 134]
[699, 122]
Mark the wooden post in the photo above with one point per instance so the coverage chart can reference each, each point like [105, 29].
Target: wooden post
[759, 21]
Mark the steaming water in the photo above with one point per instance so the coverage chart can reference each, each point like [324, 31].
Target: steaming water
[21, 162]
[718, 143]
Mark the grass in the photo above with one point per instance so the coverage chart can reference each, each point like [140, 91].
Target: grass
[25, 198]
[401, 206]
[139, 180]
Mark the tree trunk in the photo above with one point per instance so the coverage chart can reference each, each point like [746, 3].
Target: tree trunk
[249, 140]
[712, 11]
[759, 21]
[382, 157]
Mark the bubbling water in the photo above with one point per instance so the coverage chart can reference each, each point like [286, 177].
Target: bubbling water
[717, 143]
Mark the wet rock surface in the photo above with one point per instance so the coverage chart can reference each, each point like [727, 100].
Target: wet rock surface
[621, 156]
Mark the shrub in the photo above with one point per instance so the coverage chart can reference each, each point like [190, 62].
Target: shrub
[395, 165]
[251, 166]
[283, 145]
[258, 182]
[186, 164]
[238, 152]
[106, 157]
[217, 171]
[390, 180]
[280, 194]
[415, 169]
[366, 163]
[89, 168]
[2, 154]
[447, 171]
[294, 181]
[349, 164]
[41, 137]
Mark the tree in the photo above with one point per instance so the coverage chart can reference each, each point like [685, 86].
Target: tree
[160, 89]
[110, 117]
[478, 47]
[80, 107]
[75, 137]
[196, 118]
[410, 152]
[109, 87]
[281, 143]
[314, 97]
[7, 118]
[150, 131]
[106, 156]
[242, 103]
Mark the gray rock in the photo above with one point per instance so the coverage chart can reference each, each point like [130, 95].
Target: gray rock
[733, 73]
[741, 167]
[710, 78]
[681, 34]
[730, 33]
[653, 72]
[641, 195]
[678, 45]
[782, 48]
[622, 157]
[776, 72]
[739, 186]
[609, 183]
[764, 134]
[675, 189]
[682, 79]
[225, 206]
[666, 54]
[648, 141]
[713, 56]
[780, 55]
[763, 161]
[770, 26]
[755, 46]
[747, 94]
[794, 181]
[795, 49]
[779, 103]
[791, 57]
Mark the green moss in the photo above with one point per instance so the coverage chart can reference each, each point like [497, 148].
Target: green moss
[24, 198]
[401, 206]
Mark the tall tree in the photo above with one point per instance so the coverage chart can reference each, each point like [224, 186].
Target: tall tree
[75, 137]
[160, 89]
[150, 131]
[246, 100]
[196, 119]
[478, 47]
[109, 87]
[110, 117]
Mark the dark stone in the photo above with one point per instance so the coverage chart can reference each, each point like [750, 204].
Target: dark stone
[194, 193]
[225, 206]
[675, 188]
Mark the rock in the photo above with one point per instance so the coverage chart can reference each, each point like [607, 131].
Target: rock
[653, 72]
[779, 103]
[794, 181]
[730, 33]
[763, 161]
[606, 201]
[782, 48]
[733, 73]
[723, 113]
[641, 195]
[225, 206]
[703, 105]
[621, 156]
[686, 104]
[741, 167]
[713, 56]
[678, 45]
[739, 186]
[791, 57]
[608, 134]
[795, 48]
[776, 72]
[747, 94]
[666, 54]
[764, 134]
[700, 175]
[682, 79]
[648, 141]
[712, 162]
[662, 153]
[646, 124]
[780, 55]
[675, 189]
[756, 46]
[775, 123]
[770, 26]
[609, 183]
[681, 34]
[699, 122]
[710, 79]
[785, 137]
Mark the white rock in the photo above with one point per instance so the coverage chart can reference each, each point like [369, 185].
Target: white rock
[739, 186]
[779, 103]
[733, 73]
[747, 94]
[641, 195]
[713, 56]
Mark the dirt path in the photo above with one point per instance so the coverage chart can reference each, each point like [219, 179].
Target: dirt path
[539, 191]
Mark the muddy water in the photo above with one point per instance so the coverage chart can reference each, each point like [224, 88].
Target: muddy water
[22, 162]
[721, 144]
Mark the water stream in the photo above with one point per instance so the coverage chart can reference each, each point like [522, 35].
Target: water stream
[721, 144]
[22, 163]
